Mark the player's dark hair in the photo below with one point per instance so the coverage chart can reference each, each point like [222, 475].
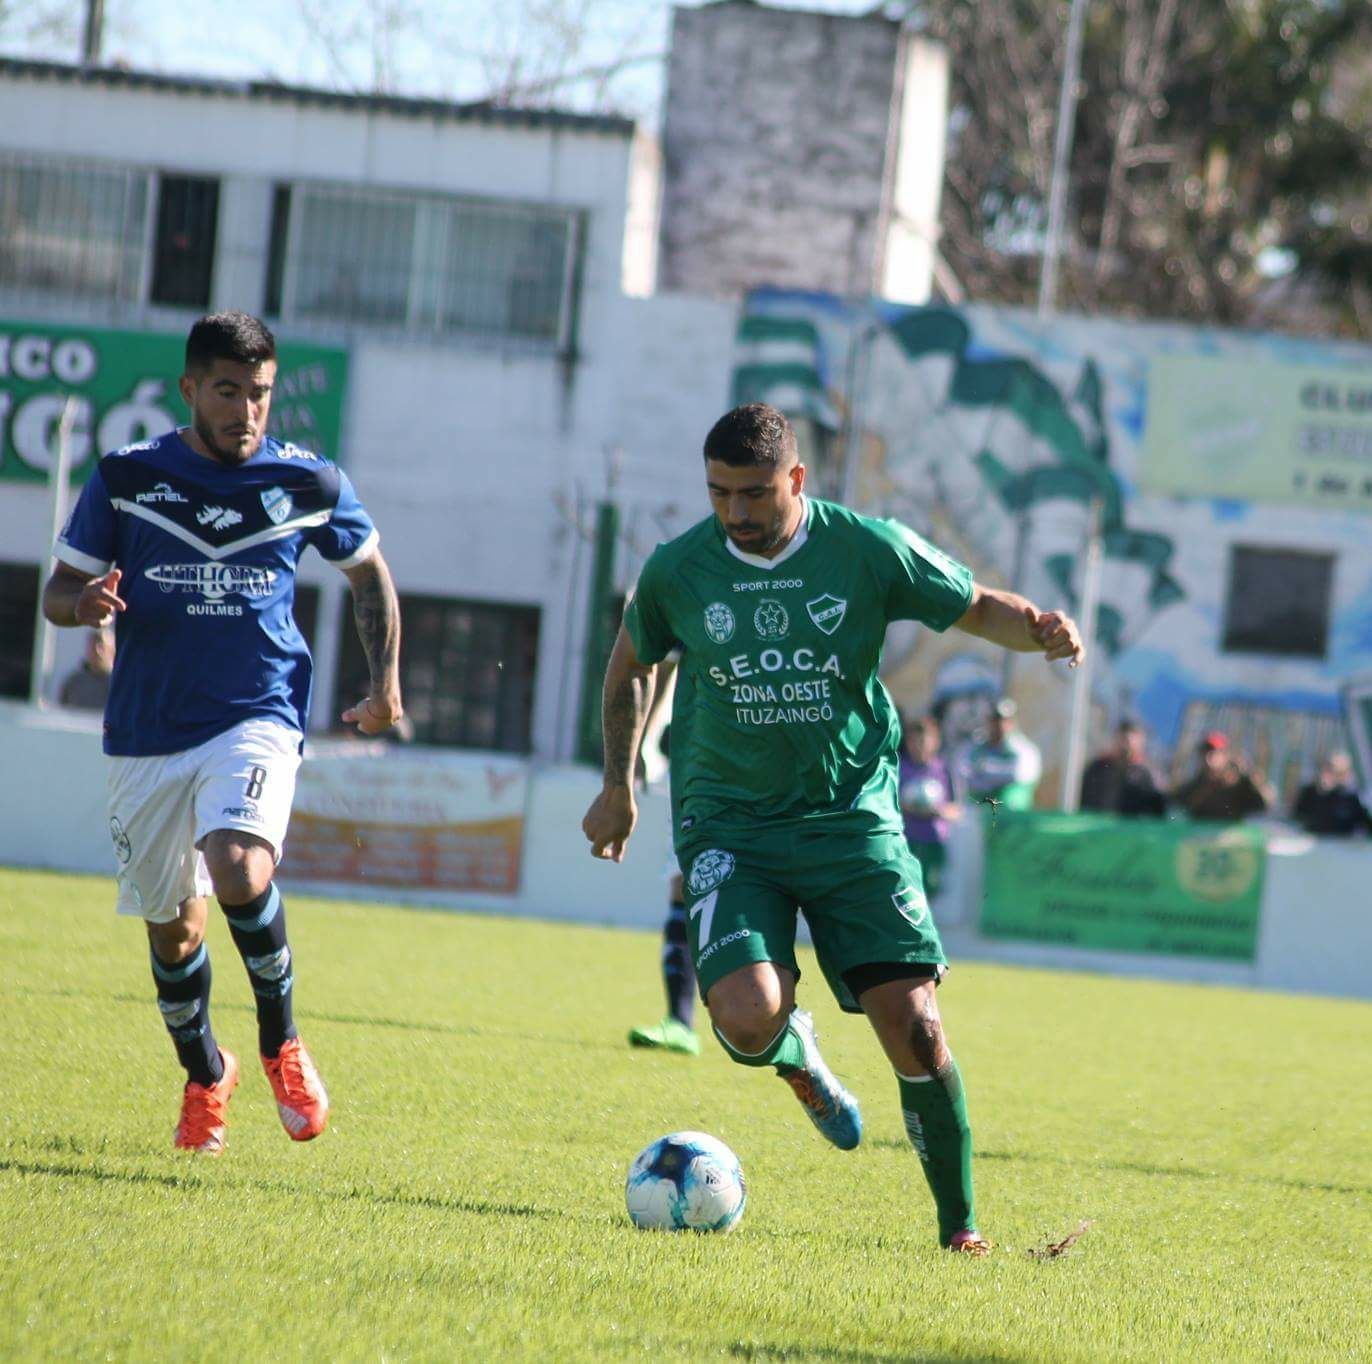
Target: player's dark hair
[752, 434]
[235, 336]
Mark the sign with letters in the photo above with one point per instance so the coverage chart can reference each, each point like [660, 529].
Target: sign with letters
[124, 389]
[373, 814]
[1172, 887]
[1261, 432]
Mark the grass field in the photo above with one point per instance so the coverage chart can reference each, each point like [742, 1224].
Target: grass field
[467, 1200]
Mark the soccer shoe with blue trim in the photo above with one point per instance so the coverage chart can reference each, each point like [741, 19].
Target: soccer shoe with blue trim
[669, 1035]
[301, 1100]
[831, 1108]
[205, 1111]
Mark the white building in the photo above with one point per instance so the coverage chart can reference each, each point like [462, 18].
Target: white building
[472, 263]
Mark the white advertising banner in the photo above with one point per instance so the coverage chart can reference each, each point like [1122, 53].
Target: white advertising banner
[433, 820]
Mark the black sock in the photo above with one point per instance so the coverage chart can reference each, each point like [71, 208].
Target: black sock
[678, 971]
[259, 932]
[183, 996]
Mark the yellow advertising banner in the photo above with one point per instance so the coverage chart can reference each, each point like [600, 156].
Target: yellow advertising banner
[1261, 432]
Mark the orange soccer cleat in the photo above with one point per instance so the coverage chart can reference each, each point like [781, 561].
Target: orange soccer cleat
[205, 1111]
[301, 1099]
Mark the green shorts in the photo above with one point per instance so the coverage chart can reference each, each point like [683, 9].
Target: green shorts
[861, 892]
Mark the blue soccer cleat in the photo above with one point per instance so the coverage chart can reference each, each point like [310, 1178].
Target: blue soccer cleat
[831, 1108]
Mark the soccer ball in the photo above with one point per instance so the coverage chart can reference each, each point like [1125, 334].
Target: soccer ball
[685, 1180]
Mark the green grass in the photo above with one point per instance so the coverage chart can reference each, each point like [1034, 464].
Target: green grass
[467, 1199]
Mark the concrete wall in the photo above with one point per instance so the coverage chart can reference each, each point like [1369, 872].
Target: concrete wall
[52, 815]
[783, 133]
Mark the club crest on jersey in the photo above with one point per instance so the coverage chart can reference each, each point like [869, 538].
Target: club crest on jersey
[710, 869]
[719, 622]
[276, 502]
[123, 849]
[771, 620]
[827, 612]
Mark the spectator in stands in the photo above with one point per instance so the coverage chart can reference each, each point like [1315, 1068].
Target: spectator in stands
[88, 686]
[1330, 805]
[1003, 768]
[1121, 781]
[1223, 787]
[927, 799]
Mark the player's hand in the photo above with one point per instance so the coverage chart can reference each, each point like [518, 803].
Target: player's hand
[375, 714]
[1057, 635]
[100, 599]
[610, 821]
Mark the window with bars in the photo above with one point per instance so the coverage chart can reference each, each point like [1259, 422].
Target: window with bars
[428, 264]
[19, 584]
[73, 229]
[466, 670]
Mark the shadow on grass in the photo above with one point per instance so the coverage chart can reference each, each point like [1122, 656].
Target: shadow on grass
[835, 1354]
[1139, 1167]
[393, 1198]
[358, 1020]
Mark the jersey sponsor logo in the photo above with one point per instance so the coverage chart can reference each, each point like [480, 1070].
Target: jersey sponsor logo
[214, 581]
[710, 869]
[827, 612]
[802, 660]
[245, 812]
[771, 620]
[160, 492]
[218, 518]
[123, 849]
[292, 451]
[779, 585]
[276, 502]
[736, 936]
[719, 622]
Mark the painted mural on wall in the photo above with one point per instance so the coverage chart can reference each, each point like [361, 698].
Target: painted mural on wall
[995, 434]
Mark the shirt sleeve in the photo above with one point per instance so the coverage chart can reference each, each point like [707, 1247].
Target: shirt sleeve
[348, 537]
[922, 582]
[88, 541]
[645, 616]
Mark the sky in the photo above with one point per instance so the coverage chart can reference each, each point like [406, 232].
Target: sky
[459, 50]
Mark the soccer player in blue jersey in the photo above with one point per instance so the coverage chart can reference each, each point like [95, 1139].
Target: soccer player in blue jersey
[190, 542]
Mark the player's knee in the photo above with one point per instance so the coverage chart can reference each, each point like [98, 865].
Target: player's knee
[928, 1043]
[240, 866]
[175, 941]
[747, 1024]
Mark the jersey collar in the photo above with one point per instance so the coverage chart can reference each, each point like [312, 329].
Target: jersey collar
[797, 540]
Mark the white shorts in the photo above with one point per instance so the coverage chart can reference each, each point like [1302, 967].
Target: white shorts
[162, 808]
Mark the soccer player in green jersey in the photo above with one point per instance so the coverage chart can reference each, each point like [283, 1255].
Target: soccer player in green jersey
[784, 760]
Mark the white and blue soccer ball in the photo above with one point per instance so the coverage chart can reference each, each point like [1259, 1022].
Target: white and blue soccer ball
[686, 1181]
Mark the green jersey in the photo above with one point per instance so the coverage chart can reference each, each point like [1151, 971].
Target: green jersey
[779, 714]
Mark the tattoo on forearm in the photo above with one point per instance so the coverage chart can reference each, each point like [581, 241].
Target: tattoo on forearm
[624, 708]
[377, 613]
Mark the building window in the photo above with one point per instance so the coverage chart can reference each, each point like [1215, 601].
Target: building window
[1278, 602]
[18, 610]
[466, 671]
[434, 265]
[183, 254]
[73, 229]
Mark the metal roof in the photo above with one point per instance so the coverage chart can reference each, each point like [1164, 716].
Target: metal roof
[397, 106]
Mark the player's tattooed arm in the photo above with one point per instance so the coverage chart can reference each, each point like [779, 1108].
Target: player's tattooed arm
[624, 712]
[376, 611]
[1014, 622]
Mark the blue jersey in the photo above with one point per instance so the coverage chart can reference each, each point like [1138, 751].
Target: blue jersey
[208, 556]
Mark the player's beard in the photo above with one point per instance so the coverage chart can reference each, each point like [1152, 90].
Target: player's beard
[231, 455]
[772, 535]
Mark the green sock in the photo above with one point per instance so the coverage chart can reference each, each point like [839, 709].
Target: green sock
[935, 1112]
[785, 1051]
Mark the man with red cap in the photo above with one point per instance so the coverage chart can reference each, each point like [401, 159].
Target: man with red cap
[1222, 788]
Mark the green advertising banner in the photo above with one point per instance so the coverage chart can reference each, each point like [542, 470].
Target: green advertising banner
[124, 384]
[1173, 887]
[1260, 432]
